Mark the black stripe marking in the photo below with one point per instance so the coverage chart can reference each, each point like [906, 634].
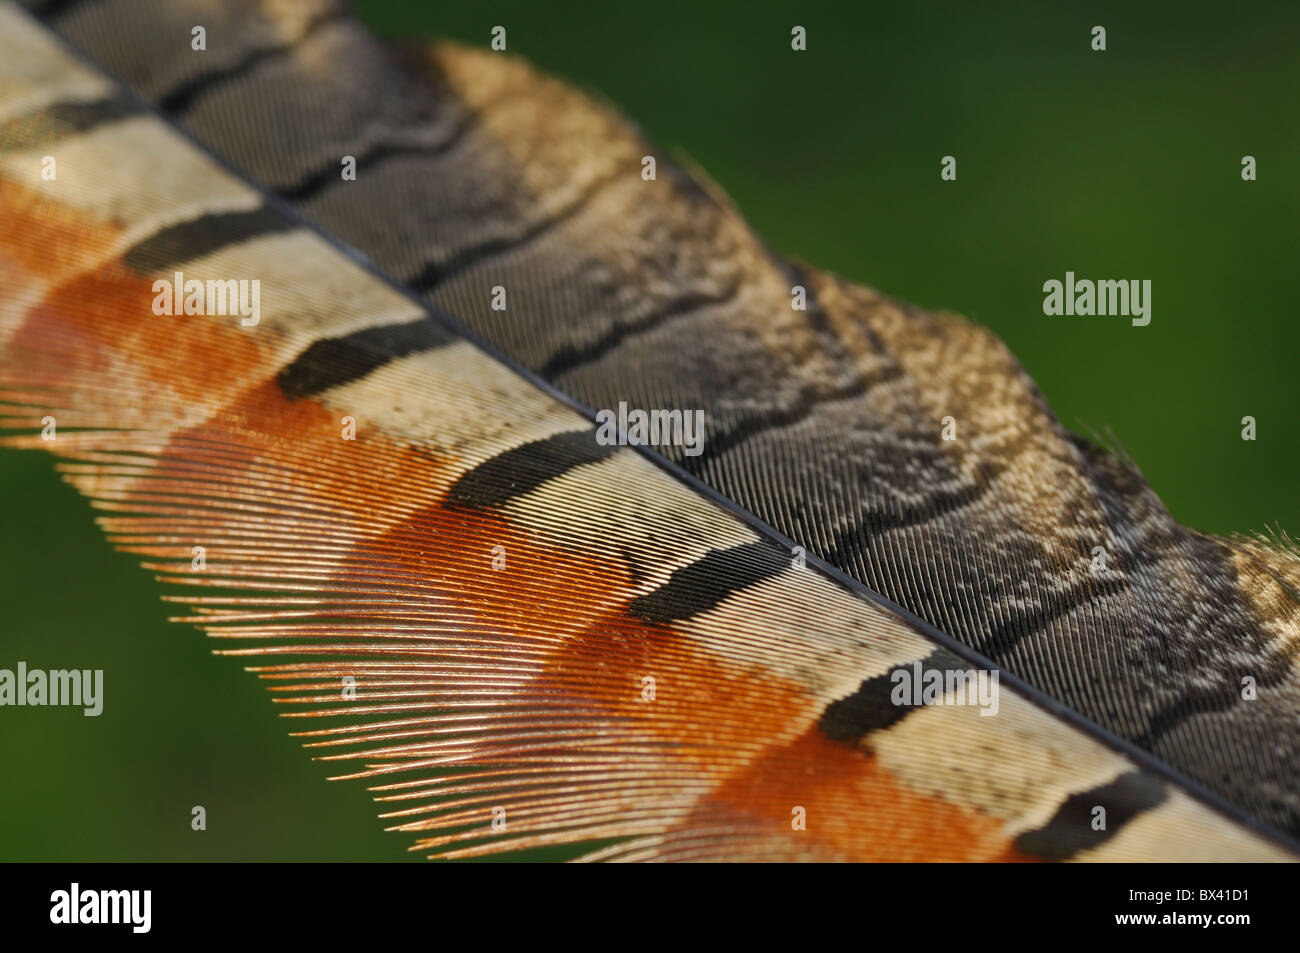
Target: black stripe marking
[48, 9]
[815, 313]
[1071, 828]
[851, 545]
[1209, 701]
[58, 121]
[432, 274]
[330, 362]
[872, 708]
[312, 183]
[941, 503]
[1003, 638]
[788, 416]
[181, 97]
[571, 357]
[202, 236]
[709, 580]
[522, 469]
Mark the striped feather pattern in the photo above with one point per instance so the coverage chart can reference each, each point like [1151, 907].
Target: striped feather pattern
[497, 584]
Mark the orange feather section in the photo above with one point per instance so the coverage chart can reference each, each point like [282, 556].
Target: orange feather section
[488, 679]
[518, 689]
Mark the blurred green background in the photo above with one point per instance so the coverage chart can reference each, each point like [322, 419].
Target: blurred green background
[1122, 164]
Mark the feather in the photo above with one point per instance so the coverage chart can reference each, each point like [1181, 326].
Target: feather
[516, 633]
